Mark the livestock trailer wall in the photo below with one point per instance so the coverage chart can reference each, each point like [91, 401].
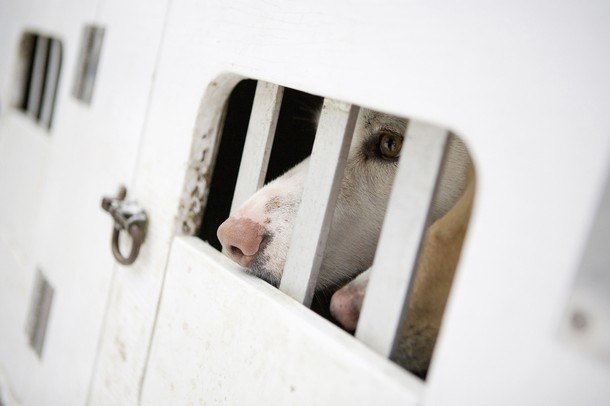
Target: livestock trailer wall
[98, 94]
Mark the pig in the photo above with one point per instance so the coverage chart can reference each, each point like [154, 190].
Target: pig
[257, 234]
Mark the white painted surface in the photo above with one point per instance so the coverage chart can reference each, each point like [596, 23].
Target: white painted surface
[25, 159]
[52, 185]
[524, 83]
[251, 344]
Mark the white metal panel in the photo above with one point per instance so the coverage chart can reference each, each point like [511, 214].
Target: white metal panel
[17, 359]
[89, 151]
[525, 83]
[25, 150]
[225, 337]
[94, 150]
[126, 73]
[506, 78]
[21, 184]
[135, 292]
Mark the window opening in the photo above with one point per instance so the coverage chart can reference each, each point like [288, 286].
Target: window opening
[354, 163]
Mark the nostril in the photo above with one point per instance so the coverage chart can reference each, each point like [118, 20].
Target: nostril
[236, 251]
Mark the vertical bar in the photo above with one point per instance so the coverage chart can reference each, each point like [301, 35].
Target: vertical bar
[50, 85]
[259, 139]
[327, 163]
[38, 76]
[385, 304]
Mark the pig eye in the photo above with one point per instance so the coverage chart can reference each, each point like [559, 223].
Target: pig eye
[389, 145]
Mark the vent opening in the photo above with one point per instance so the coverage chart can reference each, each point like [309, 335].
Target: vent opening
[40, 309]
[88, 59]
[37, 77]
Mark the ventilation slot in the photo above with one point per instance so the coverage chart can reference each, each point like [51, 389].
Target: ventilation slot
[40, 309]
[88, 60]
[37, 77]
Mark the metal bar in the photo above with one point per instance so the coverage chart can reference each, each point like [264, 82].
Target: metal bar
[38, 76]
[50, 85]
[385, 304]
[259, 140]
[328, 159]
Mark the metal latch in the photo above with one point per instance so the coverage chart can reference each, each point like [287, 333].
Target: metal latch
[128, 216]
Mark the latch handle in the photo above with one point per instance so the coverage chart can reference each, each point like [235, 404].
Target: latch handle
[128, 216]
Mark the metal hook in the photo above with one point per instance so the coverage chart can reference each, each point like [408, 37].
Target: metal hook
[128, 216]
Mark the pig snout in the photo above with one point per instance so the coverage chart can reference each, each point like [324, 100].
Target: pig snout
[346, 303]
[241, 239]
[345, 307]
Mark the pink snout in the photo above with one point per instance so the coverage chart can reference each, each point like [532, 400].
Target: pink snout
[346, 303]
[241, 239]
